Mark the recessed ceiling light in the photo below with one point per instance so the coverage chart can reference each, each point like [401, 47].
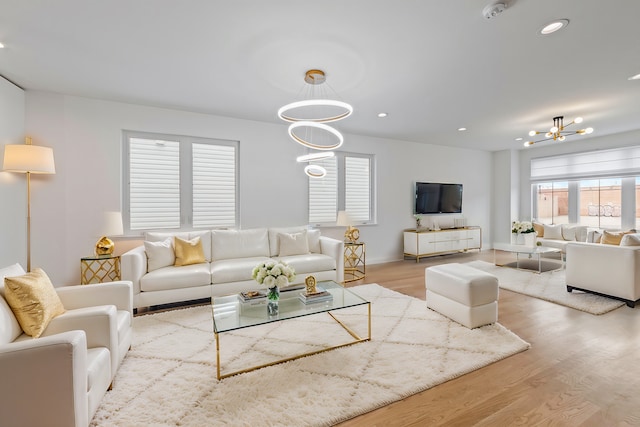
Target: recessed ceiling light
[462, 129]
[636, 77]
[382, 115]
[518, 139]
[554, 26]
[1, 46]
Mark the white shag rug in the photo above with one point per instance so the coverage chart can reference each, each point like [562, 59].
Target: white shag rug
[168, 377]
[548, 286]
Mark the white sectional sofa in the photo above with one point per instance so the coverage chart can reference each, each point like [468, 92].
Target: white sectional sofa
[604, 269]
[229, 258]
[558, 236]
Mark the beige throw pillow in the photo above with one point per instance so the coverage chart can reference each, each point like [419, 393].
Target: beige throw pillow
[612, 237]
[33, 300]
[188, 251]
[159, 254]
[539, 228]
[293, 244]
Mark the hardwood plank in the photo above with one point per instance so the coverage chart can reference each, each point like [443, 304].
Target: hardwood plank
[581, 370]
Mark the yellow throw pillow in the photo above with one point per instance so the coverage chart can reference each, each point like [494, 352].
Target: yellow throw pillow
[612, 238]
[33, 300]
[188, 251]
[539, 228]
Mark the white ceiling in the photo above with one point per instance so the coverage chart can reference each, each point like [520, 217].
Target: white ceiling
[433, 66]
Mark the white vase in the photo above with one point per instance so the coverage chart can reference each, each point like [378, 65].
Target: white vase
[514, 238]
[520, 239]
[529, 239]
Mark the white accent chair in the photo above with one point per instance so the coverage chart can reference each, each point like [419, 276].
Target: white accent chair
[60, 378]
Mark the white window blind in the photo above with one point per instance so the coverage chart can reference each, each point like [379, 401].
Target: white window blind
[179, 182]
[323, 194]
[358, 188]
[214, 185]
[154, 186]
[348, 185]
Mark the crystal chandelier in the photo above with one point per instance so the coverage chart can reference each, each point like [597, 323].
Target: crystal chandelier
[558, 132]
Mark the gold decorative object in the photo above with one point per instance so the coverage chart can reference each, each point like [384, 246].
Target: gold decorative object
[352, 234]
[310, 283]
[104, 246]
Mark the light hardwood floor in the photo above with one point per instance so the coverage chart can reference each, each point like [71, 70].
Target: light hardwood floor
[581, 370]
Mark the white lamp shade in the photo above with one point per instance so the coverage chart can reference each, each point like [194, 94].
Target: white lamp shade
[112, 224]
[28, 158]
[344, 219]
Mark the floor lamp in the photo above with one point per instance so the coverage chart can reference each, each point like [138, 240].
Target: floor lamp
[28, 159]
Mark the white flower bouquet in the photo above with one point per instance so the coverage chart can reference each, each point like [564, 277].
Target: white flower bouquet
[522, 227]
[273, 275]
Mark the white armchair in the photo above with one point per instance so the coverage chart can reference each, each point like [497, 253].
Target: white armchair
[60, 378]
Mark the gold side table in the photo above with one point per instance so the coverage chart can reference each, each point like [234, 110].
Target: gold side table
[354, 261]
[99, 269]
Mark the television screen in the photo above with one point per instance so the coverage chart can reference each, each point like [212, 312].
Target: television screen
[435, 198]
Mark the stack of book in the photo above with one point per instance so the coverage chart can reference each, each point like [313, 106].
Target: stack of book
[251, 296]
[319, 295]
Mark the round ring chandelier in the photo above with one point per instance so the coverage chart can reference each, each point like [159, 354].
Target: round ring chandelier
[286, 112]
[315, 171]
[321, 126]
[315, 156]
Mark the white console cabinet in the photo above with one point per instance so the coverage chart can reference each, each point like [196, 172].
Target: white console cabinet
[424, 243]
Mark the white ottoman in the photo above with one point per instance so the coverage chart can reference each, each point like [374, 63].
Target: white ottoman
[464, 294]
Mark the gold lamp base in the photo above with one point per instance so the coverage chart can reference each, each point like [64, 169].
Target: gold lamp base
[104, 246]
[352, 234]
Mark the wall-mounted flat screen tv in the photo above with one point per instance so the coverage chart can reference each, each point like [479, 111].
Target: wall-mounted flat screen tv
[437, 198]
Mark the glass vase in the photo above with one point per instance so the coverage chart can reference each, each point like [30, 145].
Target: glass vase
[273, 301]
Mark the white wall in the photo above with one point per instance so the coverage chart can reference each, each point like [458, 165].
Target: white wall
[86, 135]
[13, 186]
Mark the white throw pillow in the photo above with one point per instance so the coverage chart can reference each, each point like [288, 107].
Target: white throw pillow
[568, 232]
[159, 254]
[553, 231]
[293, 244]
[313, 236]
[630, 240]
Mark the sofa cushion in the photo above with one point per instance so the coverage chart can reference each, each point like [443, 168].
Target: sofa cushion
[188, 252]
[309, 263]
[538, 228]
[33, 300]
[9, 327]
[234, 270]
[314, 241]
[205, 237]
[176, 277]
[553, 231]
[159, 254]
[612, 237]
[631, 239]
[231, 244]
[293, 244]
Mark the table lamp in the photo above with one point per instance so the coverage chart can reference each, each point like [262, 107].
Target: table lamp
[344, 219]
[28, 159]
[111, 225]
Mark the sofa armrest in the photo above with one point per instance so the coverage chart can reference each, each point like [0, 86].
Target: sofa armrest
[28, 400]
[133, 265]
[335, 249]
[117, 293]
[608, 269]
[99, 324]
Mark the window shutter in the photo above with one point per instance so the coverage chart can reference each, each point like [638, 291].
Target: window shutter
[154, 184]
[214, 185]
[358, 188]
[323, 194]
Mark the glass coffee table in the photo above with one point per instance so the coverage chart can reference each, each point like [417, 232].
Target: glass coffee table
[530, 252]
[230, 314]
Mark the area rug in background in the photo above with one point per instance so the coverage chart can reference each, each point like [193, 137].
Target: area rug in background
[548, 286]
[168, 377]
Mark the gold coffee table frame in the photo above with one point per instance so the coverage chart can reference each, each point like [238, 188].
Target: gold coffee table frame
[290, 308]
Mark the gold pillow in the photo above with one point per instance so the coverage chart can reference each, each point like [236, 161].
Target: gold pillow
[612, 238]
[33, 300]
[539, 228]
[188, 251]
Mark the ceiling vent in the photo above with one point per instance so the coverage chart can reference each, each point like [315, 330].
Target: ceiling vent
[493, 10]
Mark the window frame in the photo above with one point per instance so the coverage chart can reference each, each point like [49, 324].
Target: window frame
[186, 178]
